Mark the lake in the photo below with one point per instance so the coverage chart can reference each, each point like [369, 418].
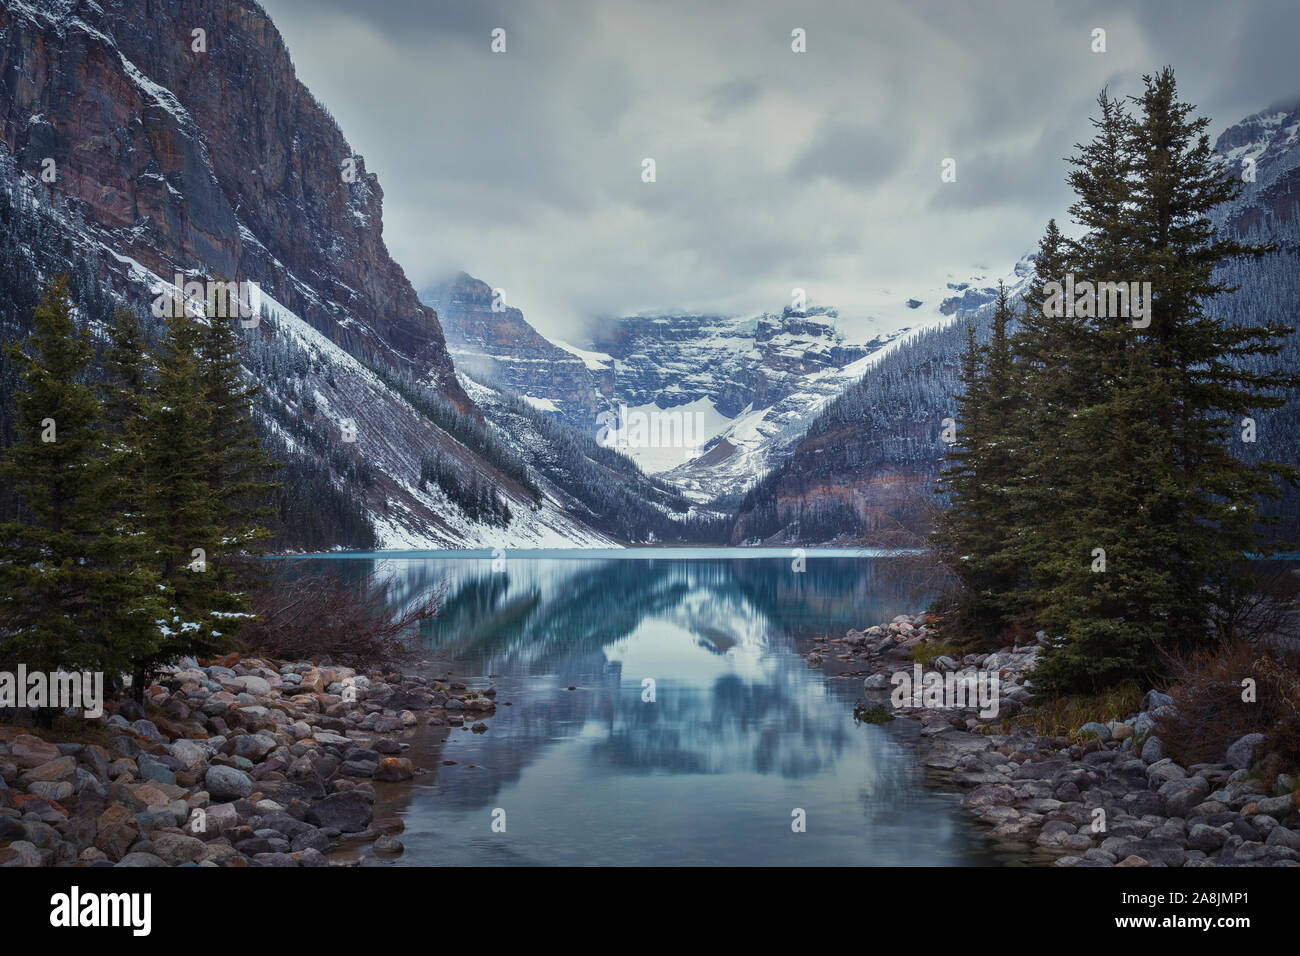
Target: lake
[694, 733]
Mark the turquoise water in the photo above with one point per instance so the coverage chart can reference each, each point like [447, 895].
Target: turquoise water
[741, 733]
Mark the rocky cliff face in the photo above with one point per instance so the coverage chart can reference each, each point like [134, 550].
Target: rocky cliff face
[750, 384]
[202, 153]
[1262, 150]
[502, 348]
[128, 155]
[737, 364]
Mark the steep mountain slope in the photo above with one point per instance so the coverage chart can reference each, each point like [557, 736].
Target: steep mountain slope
[218, 161]
[725, 397]
[867, 464]
[594, 482]
[761, 437]
[129, 155]
[492, 342]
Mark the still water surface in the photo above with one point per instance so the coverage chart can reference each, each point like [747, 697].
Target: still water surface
[740, 734]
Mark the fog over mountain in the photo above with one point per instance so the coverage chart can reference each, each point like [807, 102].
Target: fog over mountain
[774, 169]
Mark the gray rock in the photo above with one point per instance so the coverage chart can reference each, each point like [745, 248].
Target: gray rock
[1156, 851]
[220, 817]
[151, 769]
[258, 686]
[1182, 795]
[1263, 825]
[310, 839]
[176, 848]
[1153, 750]
[357, 768]
[1038, 770]
[1154, 699]
[253, 746]
[190, 754]
[146, 729]
[346, 812]
[1207, 838]
[278, 858]
[27, 855]
[1095, 729]
[1242, 753]
[227, 783]
[1283, 836]
[389, 845]
[1162, 771]
[51, 789]
[1277, 807]
[285, 824]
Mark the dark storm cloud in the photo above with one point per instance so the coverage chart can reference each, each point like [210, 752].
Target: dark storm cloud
[849, 152]
[774, 169]
[726, 98]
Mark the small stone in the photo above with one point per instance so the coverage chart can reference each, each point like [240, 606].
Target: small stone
[389, 846]
[62, 768]
[1242, 753]
[1154, 699]
[227, 783]
[394, 769]
[29, 752]
[1207, 838]
[1095, 729]
[1283, 836]
[51, 789]
[176, 848]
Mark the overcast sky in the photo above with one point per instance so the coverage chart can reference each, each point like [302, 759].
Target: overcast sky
[775, 169]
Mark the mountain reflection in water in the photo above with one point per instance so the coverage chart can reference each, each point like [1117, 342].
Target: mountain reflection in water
[740, 734]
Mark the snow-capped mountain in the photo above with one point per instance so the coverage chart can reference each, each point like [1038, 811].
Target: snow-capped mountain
[491, 341]
[866, 464]
[1261, 150]
[130, 154]
[724, 398]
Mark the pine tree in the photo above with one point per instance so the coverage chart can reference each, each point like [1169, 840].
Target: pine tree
[1153, 505]
[1198, 360]
[237, 466]
[181, 508]
[66, 598]
[980, 479]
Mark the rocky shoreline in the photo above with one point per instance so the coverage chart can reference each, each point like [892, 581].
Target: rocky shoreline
[249, 762]
[1106, 795]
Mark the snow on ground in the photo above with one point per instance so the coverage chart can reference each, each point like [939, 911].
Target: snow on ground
[595, 361]
[541, 404]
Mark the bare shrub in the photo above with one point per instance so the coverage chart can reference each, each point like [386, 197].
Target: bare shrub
[335, 618]
[1209, 714]
[1261, 605]
[905, 531]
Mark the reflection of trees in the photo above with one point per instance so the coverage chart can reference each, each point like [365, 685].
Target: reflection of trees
[834, 594]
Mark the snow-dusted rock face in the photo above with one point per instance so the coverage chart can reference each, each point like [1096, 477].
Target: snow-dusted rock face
[490, 340]
[214, 159]
[1263, 151]
[741, 389]
[867, 462]
[220, 164]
